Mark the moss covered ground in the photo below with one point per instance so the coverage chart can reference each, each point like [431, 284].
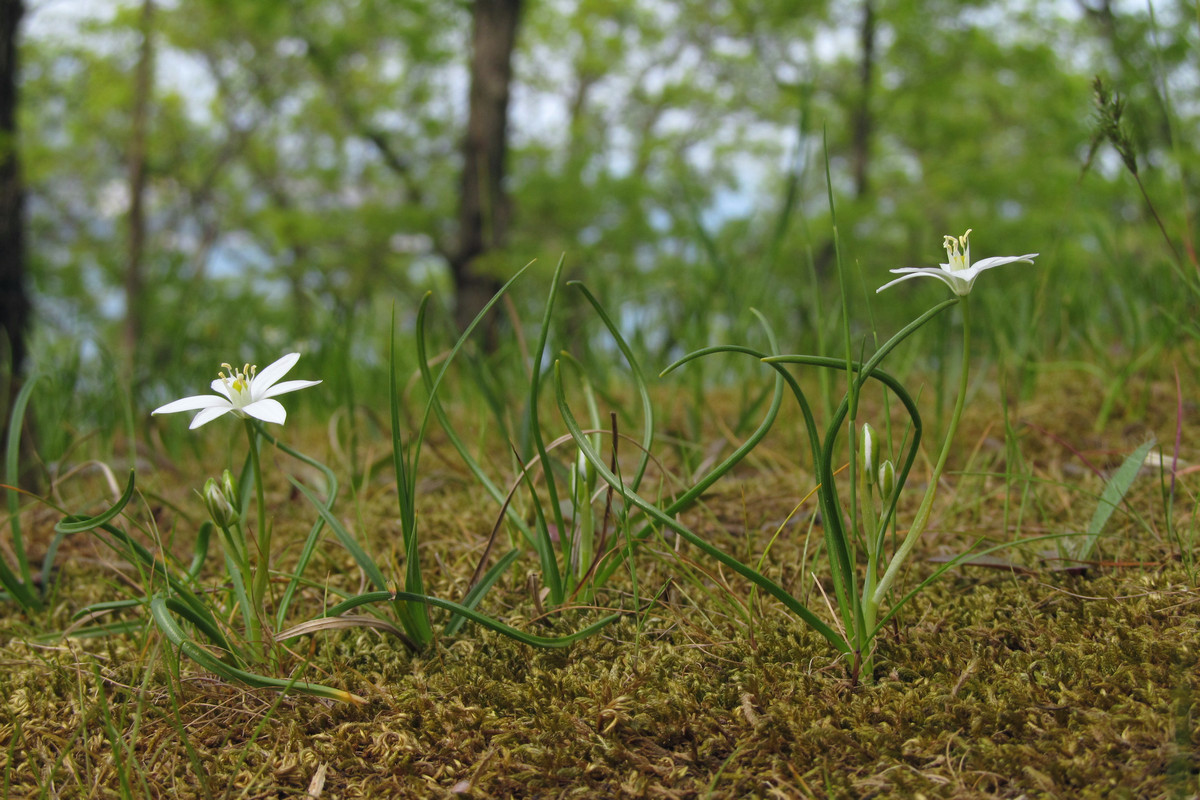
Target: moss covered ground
[1011, 679]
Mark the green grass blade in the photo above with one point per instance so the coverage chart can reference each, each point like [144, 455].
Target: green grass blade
[433, 405]
[686, 499]
[422, 635]
[751, 574]
[108, 605]
[161, 609]
[205, 624]
[126, 627]
[535, 427]
[80, 524]
[20, 584]
[1114, 492]
[200, 551]
[481, 587]
[126, 546]
[542, 544]
[639, 381]
[361, 557]
[415, 621]
[310, 543]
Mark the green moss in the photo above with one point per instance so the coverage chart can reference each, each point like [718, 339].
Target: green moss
[990, 684]
[997, 688]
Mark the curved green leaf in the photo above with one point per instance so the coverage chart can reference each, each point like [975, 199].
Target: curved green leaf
[161, 608]
[80, 524]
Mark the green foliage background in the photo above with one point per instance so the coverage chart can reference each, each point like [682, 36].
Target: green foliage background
[304, 166]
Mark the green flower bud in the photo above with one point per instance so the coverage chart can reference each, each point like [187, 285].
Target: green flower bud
[887, 479]
[230, 488]
[221, 500]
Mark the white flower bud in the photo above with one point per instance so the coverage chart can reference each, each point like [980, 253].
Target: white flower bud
[583, 478]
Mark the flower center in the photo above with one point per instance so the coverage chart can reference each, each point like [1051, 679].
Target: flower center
[238, 383]
[958, 252]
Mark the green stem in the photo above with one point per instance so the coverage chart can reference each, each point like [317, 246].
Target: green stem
[873, 540]
[922, 517]
[258, 588]
[586, 524]
[306, 552]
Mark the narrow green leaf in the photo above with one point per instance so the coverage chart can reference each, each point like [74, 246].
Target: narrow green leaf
[364, 561]
[481, 588]
[79, 524]
[639, 381]
[751, 574]
[1114, 492]
[161, 609]
[19, 585]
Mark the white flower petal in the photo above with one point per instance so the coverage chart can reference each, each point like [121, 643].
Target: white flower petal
[960, 280]
[287, 386]
[242, 394]
[220, 388]
[267, 411]
[208, 415]
[999, 261]
[193, 403]
[271, 373]
[920, 272]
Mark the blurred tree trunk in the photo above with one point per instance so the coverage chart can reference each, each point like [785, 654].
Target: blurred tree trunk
[134, 277]
[14, 293]
[861, 127]
[483, 203]
[862, 121]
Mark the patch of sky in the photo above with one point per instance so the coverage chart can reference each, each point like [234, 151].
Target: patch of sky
[237, 255]
[1011, 210]
[590, 236]
[65, 20]
[113, 199]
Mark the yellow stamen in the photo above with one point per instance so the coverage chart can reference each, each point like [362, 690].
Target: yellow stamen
[238, 380]
[958, 251]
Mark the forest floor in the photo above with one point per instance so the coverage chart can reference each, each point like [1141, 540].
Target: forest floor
[1010, 678]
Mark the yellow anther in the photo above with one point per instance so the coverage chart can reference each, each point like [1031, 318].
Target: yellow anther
[958, 251]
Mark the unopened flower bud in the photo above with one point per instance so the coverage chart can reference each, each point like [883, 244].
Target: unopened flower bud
[887, 478]
[583, 477]
[583, 466]
[868, 454]
[221, 501]
[229, 487]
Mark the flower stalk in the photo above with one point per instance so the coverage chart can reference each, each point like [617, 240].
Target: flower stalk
[249, 394]
[262, 562]
[873, 595]
[876, 483]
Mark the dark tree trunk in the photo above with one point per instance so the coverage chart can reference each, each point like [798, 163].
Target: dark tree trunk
[861, 128]
[484, 207]
[14, 293]
[134, 277]
[862, 122]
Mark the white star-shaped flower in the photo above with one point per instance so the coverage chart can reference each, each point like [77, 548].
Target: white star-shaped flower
[959, 274]
[246, 392]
